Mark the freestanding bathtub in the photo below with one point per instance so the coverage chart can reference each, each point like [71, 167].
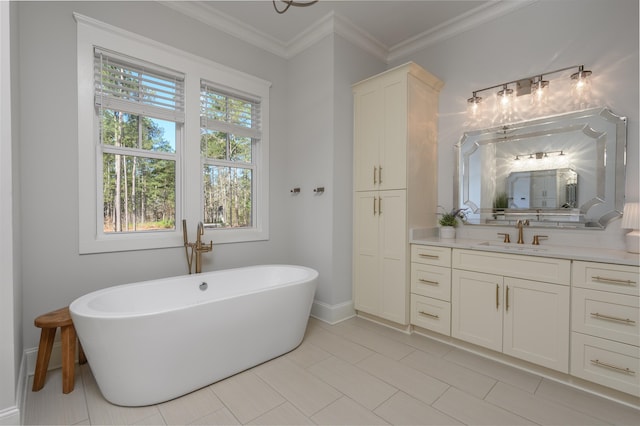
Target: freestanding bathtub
[153, 341]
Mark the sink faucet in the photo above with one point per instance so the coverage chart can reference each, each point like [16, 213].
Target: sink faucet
[520, 224]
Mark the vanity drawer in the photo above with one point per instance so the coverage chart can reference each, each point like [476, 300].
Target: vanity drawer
[431, 281]
[607, 277]
[609, 315]
[432, 314]
[431, 255]
[606, 362]
[556, 271]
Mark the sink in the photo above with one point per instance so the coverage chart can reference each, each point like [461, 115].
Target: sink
[512, 246]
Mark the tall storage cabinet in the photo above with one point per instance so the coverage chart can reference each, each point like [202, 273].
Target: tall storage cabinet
[395, 183]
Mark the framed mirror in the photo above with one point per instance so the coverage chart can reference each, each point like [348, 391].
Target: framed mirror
[562, 171]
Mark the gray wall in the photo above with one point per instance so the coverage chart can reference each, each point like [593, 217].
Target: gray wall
[54, 273]
[544, 36]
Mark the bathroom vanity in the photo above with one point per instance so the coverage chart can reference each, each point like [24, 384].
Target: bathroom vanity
[572, 310]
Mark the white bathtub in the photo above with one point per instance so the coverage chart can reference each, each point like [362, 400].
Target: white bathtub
[153, 341]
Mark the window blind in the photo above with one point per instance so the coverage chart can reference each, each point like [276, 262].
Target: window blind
[126, 84]
[229, 112]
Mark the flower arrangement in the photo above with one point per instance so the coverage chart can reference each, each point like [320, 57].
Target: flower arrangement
[451, 218]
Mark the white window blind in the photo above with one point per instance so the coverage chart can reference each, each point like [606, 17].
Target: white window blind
[134, 86]
[229, 112]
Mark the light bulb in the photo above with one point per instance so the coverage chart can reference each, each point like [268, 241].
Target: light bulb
[539, 93]
[581, 88]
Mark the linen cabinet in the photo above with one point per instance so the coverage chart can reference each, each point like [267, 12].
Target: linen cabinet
[395, 183]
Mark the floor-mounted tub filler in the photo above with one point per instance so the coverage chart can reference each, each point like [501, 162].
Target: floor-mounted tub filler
[153, 341]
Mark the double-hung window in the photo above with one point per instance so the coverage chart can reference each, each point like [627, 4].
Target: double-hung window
[229, 131]
[140, 109]
[165, 136]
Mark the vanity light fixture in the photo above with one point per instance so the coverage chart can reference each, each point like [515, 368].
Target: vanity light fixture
[290, 3]
[536, 86]
[539, 91]
[538, 155]
[474, 104]
[631, 220]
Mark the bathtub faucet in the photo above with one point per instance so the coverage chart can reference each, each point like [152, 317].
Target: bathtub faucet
[197, 248]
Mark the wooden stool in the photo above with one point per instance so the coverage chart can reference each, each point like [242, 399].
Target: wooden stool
[49, 322]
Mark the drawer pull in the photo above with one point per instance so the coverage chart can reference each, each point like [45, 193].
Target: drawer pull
[607, 317]
[612, 280]
[422, 280]
[428, 256]
[613, 367]
[428, 314]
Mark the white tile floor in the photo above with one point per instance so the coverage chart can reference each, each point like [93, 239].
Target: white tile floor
[355, 372]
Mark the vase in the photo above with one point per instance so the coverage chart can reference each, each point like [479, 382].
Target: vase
[447, 232]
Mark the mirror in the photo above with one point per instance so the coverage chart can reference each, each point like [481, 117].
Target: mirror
[562, 171]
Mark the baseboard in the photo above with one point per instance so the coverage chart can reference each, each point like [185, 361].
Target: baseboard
[12, 415]
[332, 314]
[55, 361]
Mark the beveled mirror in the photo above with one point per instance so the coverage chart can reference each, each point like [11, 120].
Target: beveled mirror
[561, 171]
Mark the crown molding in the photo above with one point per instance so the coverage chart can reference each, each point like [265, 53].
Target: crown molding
[458, 25]
[333, 23]
[228, 24]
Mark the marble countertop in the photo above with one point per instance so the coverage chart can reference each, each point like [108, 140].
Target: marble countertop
[543, 250]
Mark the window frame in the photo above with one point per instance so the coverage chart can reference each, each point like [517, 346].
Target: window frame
[189, 193]
[253, 133]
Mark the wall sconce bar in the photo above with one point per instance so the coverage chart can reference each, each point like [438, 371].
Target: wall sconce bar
[524, 86]
[538, 155]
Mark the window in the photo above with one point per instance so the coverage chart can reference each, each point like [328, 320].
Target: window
[166, 136]
[230, 128]
[140, 110]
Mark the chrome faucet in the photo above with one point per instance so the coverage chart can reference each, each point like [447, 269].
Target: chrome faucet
[520, 224]
[198, 247]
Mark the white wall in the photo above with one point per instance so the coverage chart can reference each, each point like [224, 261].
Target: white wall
[54, 274]
[544, 36]
[10, 300]
[320, 154]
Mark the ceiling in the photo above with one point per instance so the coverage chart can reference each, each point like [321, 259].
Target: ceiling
[386, 26]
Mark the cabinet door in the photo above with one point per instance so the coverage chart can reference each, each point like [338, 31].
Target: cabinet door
[367, 136]
[536, 322]
[476, 308]
[394, 296]
[393, 145]
[366, 243]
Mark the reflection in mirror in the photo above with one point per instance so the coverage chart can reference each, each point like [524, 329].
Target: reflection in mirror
[561, 171]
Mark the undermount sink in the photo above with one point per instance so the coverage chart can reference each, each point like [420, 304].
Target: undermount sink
[512, 246]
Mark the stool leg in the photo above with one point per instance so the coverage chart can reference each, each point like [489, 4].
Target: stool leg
[82, 358]
[68, 358]
[44, 353]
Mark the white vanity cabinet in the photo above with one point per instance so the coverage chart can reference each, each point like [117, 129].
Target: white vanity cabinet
[431, 288]
[395, 175]
[605, 322]
[523, 311]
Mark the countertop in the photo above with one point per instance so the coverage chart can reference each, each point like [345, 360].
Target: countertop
[588, 254]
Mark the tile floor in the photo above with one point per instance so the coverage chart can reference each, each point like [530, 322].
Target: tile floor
[355, 372]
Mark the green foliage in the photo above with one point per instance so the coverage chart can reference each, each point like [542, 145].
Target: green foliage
[448, 219]
[138, 191]
[451, 218]
[501, 201]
